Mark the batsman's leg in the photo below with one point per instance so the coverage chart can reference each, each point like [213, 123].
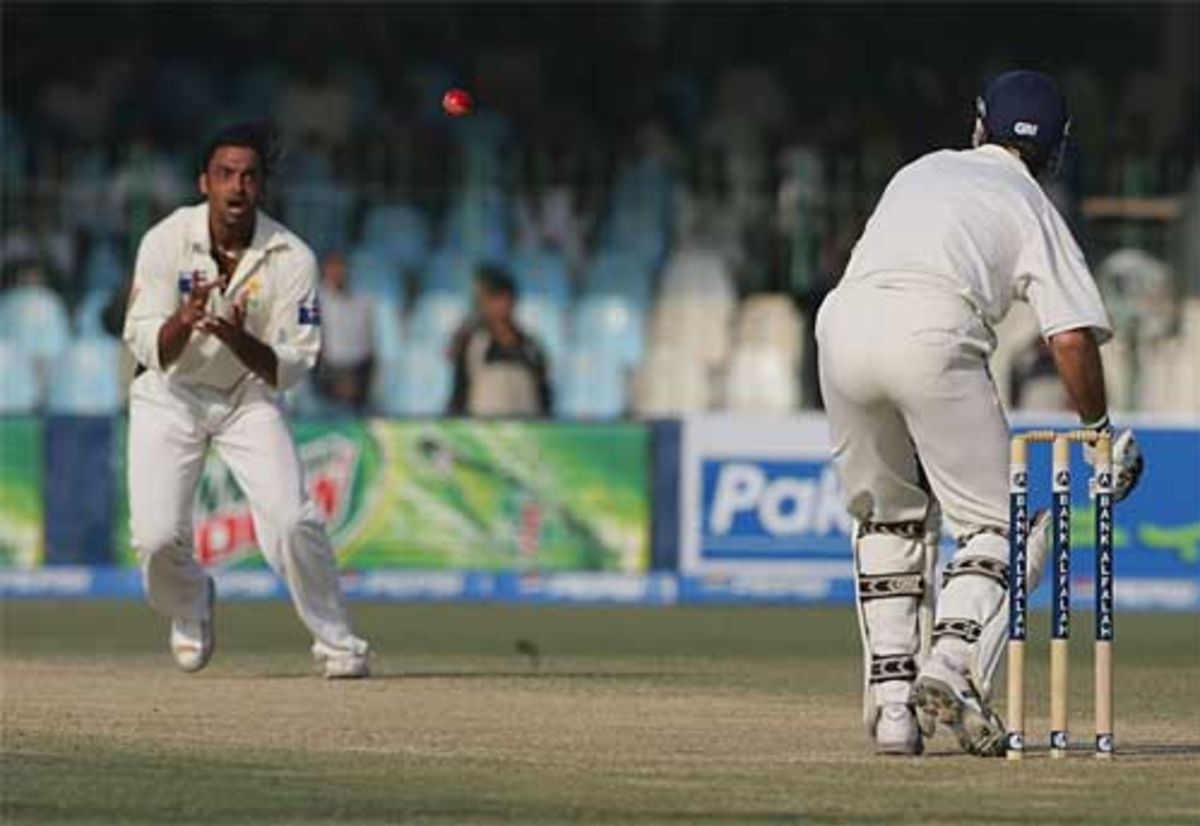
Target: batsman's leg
[258, 448]
[877, 464]
[891, 584]
[962, 439]
[989, 651]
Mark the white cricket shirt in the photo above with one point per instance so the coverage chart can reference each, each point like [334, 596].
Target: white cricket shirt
[276, 277]
[977, 219]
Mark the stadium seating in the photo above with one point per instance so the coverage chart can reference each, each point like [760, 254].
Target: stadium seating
[647, 242]
[104, 269]
[671, 381]
[19, 387]
[87, 379]
[696, 323]
[435, 317]
[320, 213]
[479, 222]
[399, 231]
[1168, 376]
[772, 321]
[450, 270]
[375, 273]
[616, 272]
[261, 81]
[1118, 355]
[590, 386]
[696, 272]
[643, 196]
[610, 324]
[35, 319]
[695, 305]
[1190, 348]
[542, 273]
[89, 314]
[13, 150]
[414, 383]
[761, 378]
[387, 329]
[542, 316]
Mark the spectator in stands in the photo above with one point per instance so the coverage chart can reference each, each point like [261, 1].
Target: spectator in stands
[347, 356]
[499, 369]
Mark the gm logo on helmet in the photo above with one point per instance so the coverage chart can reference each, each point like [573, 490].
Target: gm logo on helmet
[757, 509]
[1025, 129]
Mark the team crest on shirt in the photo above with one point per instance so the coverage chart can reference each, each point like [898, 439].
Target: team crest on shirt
[188, 279]
[249, 295]
[310, 314]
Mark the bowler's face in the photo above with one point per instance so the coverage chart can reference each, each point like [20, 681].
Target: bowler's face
[233, 183]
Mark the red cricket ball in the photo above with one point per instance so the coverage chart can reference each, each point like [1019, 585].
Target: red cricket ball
[458, 102]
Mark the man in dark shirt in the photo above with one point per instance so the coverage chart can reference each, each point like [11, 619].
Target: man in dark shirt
[499, 369]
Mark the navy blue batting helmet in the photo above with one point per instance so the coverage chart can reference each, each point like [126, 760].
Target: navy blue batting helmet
[1024, 105]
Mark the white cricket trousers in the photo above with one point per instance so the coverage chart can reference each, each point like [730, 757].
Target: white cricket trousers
[171, 425]
[904, 374]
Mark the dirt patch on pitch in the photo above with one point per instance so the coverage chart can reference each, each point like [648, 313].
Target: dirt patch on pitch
[581, 716]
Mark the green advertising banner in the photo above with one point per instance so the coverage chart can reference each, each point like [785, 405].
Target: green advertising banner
[453, 495]
[21, 503]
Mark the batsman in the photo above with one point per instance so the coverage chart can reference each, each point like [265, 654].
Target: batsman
[919, 436]
[223, 317]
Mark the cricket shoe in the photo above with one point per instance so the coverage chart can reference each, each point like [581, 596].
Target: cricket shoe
[344, 665]
[945, 694]
[193, 640]
[897, 732]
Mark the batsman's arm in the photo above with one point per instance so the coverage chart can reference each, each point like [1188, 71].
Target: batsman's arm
[1077, 358]
[1054, 277]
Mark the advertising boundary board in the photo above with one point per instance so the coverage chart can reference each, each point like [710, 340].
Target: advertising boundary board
[759, 503]
[763, 473]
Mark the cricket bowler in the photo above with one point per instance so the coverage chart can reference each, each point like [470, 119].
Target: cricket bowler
[916, 423]
[223, 317]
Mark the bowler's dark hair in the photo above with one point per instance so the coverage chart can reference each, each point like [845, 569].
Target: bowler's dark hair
[495, 281]
[250, 135]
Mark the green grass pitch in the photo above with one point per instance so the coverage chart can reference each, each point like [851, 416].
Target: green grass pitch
[529, 715]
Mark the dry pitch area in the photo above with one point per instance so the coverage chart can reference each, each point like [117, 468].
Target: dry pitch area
[629, 716]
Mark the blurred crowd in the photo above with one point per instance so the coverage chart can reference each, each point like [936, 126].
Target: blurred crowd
[640, 219]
